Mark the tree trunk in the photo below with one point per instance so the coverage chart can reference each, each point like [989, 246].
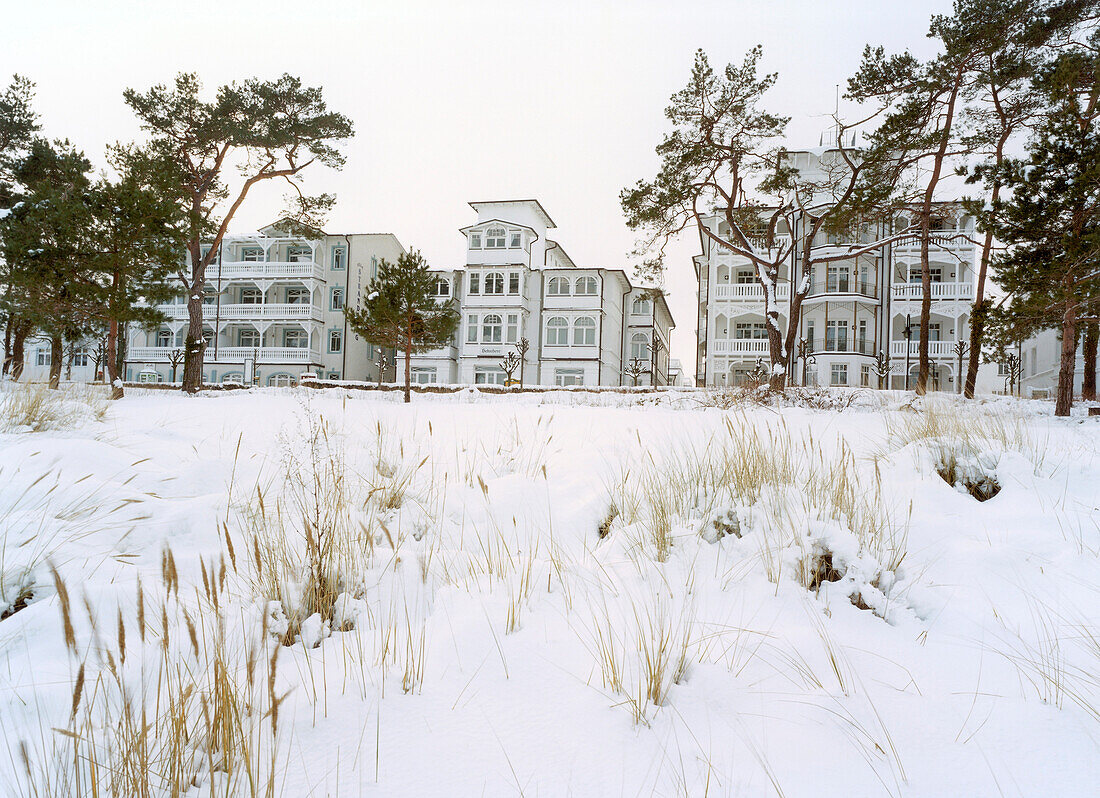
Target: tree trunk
[408, 368]
[194, 345]
[1088, 379]
[57, 354]
[7, 345]
[1064, 399]
[925, 304]
[977, 313]
[113, 378]
[18, 349]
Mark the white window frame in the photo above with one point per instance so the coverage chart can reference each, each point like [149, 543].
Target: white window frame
[838, 370]
[568, 377]
[494, 284]
[252, 296]
[290, 333]
[475, 240]
[475, 284]
[640, 347]
[253, 254]
[492, 328]
[424, 376]
[489, 376]
[339, 258]
[254, 337]
[640, 306]
[586, 286]
[495, 238]
[557, 284]
[336, 298]
[471, 328]
[511, 334]
[515, 239]
[163, 335]
[337, 337]
[513, 283]
[584, 331]
[557, 331]
[298, 295]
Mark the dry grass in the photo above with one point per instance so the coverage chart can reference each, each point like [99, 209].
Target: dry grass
[36, 408]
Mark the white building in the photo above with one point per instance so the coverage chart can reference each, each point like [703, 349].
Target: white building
[1040, 358]
[584, 325]
[856, 307]
[273, 310]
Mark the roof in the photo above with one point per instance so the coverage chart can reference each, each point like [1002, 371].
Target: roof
[545, 216]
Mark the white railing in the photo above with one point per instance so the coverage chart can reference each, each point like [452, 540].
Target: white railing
[228, 313]
[935, 348]
[902, 292]
[231, 354]
[759, 243]
[244, 270]
[740, 346]
[753, 292]
[943, 239]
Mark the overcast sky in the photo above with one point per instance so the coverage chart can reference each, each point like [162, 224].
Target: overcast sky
[453, 102]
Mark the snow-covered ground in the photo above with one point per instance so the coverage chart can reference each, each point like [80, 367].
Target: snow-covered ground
[551, 595]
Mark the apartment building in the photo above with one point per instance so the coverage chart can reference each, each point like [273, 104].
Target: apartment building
[272, 310]
[856, 307]
[585, 325]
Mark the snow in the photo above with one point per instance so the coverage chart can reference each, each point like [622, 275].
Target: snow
[464, 660]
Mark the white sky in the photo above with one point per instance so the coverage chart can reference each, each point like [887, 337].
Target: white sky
[453, 102]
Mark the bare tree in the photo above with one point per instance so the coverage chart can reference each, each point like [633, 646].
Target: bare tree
[635, 368]
[522, 348]
[508, 365]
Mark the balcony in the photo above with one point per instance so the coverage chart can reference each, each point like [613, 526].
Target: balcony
[839, 346]
[740, 346]
[749, 292]
[295, 311]
[935, 349]
[759, 243]
[953, 239]
[848, 289]
[910, 292]
[230, 354]
[266, 270]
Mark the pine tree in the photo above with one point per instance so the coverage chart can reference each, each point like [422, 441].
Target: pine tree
[273, 129]
[1052, 219]
[401, 311]
[46, 240]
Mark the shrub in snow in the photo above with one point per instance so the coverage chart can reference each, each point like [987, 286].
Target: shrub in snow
[967, 469]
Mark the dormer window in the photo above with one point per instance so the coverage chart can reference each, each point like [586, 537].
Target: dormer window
[494, 238]
[475, 240]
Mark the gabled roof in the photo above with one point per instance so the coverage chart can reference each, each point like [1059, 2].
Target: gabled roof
[504, 222]
[545, 216]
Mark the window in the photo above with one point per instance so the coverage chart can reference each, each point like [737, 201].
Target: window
[557, 332]
[43, 357]
[298, 254]
[494, 238]
[475, 240]
[339, 258]
[423, 376]
[512, 333]
[442, 287]
[811, 344]
[252, 254]
[295, 339]
[297, 296]
[209, 296]
[863, 336]
[753, 329]
[559, 286]
[745, 277]
[488, 376]
[865, 376]
[934, 332]
[639, 346]
[586, 286]
[336, 299]
[164, 338]
[839, 374]
[335, 341]
[836, 336]
[148, 376]
[207, 337]
[584, 332]
[491, 327]
[836, 279]
[279, 380]
[373, 269]
[251, 296]
[516, 240]
[471, 329]
[82, 356]
[475, 283]
[235, 377]
[640, 306]
[513, 283]
[334, 375]
[566, 377]
[248, 338]
[494, 283]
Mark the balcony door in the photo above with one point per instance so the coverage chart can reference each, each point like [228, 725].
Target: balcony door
[836, 336]
[836, 280]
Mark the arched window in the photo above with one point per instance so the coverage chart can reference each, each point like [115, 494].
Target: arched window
[279, 380]
[234, 377]
[494, 283]
[494, 238]
[557, 332]
[586, 286]
[640, 306]
[491, 329]
[442, 287]
[559, 286]
[639, 346]
[584, 331]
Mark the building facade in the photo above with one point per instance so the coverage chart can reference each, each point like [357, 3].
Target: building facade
[583, 325]
[272, 311]
[856, 307]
